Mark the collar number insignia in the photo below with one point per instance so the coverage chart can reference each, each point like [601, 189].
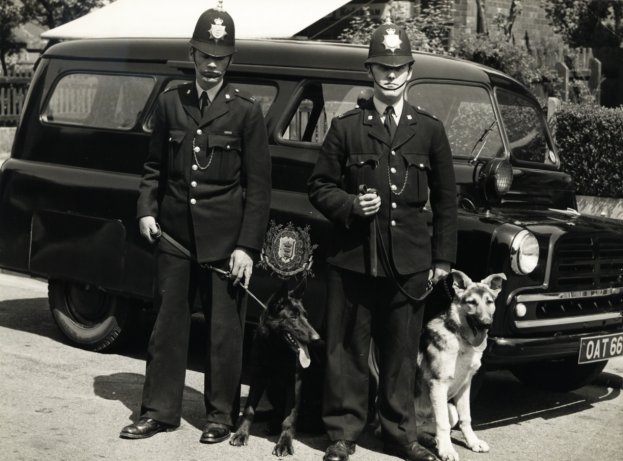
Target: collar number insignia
[217, 30]
[287, 250]
[391, 41]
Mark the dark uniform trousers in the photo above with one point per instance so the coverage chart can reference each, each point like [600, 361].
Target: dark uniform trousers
[178, 281]
[360, 307]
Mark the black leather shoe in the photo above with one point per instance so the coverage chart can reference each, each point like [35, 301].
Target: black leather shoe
[215, 433]
[412, 452]
[339, 450]
[145, 427]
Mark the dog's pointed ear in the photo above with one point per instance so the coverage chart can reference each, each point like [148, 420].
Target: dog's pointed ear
[281, 293]
[494, 281]
[460, 281]
[299, 290]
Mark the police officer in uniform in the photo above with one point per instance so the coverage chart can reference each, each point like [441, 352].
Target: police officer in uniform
[378, 165]
[206, 183]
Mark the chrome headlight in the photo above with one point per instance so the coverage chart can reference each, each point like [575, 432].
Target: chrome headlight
[524, 252]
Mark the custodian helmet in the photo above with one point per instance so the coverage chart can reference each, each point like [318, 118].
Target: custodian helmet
[389, 46]
[215, 33]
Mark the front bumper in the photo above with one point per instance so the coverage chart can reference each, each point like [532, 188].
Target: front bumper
[504, 352]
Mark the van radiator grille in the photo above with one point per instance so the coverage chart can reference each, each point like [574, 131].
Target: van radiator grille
[587, 262]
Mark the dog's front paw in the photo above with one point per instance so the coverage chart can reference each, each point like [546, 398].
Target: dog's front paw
[479, 446]
[448, 453]
[239, 438]
[283, 447]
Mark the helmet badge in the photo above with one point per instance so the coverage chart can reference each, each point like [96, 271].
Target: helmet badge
[391, 41]
[217, 30]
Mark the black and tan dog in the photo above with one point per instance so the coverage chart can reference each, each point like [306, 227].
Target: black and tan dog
[450, 353]
[279, 359]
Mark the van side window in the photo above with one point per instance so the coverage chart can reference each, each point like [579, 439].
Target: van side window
[466, 112]
[317, 105]
[525, 127]
[264, 94]
[98, 101]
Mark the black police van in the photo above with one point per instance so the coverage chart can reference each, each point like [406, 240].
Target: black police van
[68, 192]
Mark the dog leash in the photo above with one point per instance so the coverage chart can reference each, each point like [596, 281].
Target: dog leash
[389, 270]
[184, 251]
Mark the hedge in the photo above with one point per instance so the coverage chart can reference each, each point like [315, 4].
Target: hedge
[590, 145]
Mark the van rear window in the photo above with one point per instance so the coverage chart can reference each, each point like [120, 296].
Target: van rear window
[98, 100]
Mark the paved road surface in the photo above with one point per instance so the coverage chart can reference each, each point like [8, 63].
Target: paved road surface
[62, 403]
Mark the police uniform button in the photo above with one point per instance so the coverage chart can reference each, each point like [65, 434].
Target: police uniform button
[393, 152]
[227, 147]
[196, 148]
[370, 117]
[394, 187]
[193, 201]
[237, 90]
[421, 165]
[193, 184]
[199, 132]
[227, 96]
[394, 205]
[409, 117]
[170, 139]
[194, 167]
[393, 223]
[392, 169]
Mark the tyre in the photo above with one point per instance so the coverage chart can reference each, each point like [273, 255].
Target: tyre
[558, 375]
[88, 317]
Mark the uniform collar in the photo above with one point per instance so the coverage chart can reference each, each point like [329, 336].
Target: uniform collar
[212, 92]
[381, 106]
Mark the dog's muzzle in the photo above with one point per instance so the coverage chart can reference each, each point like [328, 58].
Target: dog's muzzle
[477, 325]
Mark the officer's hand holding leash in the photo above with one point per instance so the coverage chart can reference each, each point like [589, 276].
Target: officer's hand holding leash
[367, 203]
[241, 266]
[148, 227]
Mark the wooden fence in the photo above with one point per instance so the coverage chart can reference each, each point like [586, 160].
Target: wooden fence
[13, 88]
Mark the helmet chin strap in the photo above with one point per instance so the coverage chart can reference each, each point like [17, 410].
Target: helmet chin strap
[385, 87]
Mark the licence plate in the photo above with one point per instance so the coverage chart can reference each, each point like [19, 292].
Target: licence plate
[597, 348]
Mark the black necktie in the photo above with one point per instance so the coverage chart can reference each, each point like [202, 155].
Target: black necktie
[390, 123]
[203, 102]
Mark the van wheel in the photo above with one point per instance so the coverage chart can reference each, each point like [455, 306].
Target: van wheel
[558, 375]
[88, 317]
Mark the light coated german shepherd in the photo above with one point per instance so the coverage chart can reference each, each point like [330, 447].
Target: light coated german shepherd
[451, 348]
[279, 360]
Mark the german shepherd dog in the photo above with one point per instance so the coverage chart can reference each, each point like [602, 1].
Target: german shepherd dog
[278, 360]
[451, 348]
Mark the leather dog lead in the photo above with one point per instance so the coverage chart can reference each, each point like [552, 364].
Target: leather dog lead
[389, 270]
[184, 251]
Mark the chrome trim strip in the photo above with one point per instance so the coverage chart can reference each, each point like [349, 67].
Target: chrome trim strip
[569, 295]
[567, 320]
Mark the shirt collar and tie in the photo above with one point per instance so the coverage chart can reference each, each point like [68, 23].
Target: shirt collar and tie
[390, 115]
[205, 97]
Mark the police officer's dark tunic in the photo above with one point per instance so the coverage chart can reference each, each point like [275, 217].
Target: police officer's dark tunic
[358, 150]
[207, 181]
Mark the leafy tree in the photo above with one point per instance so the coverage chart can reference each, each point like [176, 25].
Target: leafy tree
[53, 13]
[587, 23]
[9, 19]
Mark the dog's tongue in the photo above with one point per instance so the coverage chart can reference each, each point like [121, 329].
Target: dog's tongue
[304, 359]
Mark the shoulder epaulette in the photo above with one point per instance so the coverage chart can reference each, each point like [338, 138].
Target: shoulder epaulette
[354, 111]
[424, 112]
[244, 95]
[175, 87]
